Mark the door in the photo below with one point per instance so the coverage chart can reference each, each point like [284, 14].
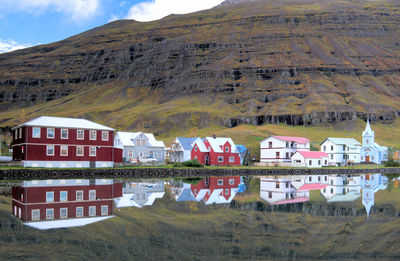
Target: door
[366, 158]
[92, 164]
[207, 161]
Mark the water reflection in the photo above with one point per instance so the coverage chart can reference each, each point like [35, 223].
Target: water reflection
[139, 194]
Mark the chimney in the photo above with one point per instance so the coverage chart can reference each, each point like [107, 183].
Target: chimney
[214, 136]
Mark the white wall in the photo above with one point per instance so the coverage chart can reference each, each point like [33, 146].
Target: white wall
[269, 154]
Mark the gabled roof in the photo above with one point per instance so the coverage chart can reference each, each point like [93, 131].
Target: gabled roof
[186, 143]
[217, 142]
[300, 140]
[200, 144]
[128, 137]
[350, 142]
[312, 154]
[63, 122]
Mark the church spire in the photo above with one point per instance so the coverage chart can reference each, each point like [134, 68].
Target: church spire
[368, 131]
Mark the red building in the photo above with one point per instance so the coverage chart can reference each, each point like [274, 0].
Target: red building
[215, 151]
[216, 189]
[64, 142]
[64, 199]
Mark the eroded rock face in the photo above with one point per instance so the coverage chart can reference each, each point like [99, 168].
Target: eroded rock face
[297, 62]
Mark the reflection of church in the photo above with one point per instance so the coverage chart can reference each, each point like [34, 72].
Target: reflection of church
[370, 184]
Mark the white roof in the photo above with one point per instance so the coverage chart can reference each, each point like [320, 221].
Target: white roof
[217, 142]
[217, 197]
[201, 145]
[62, 122]
[65, 223]
[350, 142]
[128, 137]
[127, 200]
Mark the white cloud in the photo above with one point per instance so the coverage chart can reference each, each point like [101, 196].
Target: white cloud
[10, 45]
[157, 9]
[76, 10]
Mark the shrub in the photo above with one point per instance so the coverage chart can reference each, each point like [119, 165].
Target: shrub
[392, 163]
[190, 164]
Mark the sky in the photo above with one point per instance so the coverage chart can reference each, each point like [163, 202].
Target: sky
[25, 23]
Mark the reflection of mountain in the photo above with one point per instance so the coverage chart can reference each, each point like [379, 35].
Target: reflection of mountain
[49, 204]
[139, 194]
[370, 184]
[212, 190]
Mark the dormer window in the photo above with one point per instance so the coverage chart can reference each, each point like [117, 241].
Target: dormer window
[226, 149]
[195, 148]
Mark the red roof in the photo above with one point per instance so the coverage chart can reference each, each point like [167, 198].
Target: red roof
[291, 201]
[313, 154]
[295, 139]
[312, 186]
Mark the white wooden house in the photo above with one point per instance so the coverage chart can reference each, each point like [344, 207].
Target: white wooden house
[279, 149]
[181, 149]
[310, 159]
[342, 151]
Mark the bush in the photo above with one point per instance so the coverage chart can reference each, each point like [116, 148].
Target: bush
[392, 163]
[190, 164]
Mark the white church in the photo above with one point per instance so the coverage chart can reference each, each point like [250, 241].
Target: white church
[371, 151]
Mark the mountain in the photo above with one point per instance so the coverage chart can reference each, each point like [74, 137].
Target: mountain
[242, 62]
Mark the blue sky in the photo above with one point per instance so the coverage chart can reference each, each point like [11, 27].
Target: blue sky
[26, 23]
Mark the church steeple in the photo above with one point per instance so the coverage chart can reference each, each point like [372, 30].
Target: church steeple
[368, 136]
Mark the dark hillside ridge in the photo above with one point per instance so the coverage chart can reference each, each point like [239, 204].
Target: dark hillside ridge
[297, 62]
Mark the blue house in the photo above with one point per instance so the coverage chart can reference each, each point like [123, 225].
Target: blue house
[371, 151]
[242, 152]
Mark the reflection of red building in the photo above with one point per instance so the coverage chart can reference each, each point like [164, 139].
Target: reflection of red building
[215, 151]
[216, 189]
[64, 199]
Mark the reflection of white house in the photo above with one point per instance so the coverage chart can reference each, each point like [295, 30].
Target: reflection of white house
[370, 184]
[342, 188]
[280, 149]
[138, 145]
[371, 151]
[310, 159]
[140, 194]
[341, 150]
[182, 192]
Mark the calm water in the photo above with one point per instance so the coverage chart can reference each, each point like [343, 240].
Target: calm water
[327, 217]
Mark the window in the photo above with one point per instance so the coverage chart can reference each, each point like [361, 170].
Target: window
[195, 157]
[50, 213]
[287, 184]
[226, 149]
[63, 212]
[310, 162]
[104, 135]
[93, 135]
[63, 196]
[324, 148]
[79, 212]
[287, 155]
[220, 159]
[104, 210]
[36, 132]
[64, 150]
[92, 211]
[50, 196]
[35, 214]
[50, 133]
[220, 182]
[332, 147]
[326, 162]
[319, 162]
[226, 191]
[319, 177]
[80, 134]
[195, 192]
[92, 151]
[20, 133]
[324, 190]
[331, 190]
[195, 148]
[79, 150]
[231, 182]
[16, 134]
[269, 194]
[309, 178]
[287, 144]
[92, 194]
[151, 153]
[64, 134]
[326, 177]
[331, 156]
[277, 185]
[130, 154]
[344, 147]
[231, 159]
[270, 144]
[367, 141]
[278, 155]
[79, 195]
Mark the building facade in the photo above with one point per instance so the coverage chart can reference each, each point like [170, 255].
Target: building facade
[181, 149]
[310, 159]
[372, 152]
[47, 200]
[138, 146]
[215, 151]
[342, 151]
[64, 143]
[280, 149]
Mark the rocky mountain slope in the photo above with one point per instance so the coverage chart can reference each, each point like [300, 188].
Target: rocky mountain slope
[293, 61]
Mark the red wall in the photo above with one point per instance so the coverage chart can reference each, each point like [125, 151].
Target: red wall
[201, 156]
[118, 155]
[213, 184]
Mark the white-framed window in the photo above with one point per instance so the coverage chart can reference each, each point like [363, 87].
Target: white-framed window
[50, 150]
[64, 134]
[80, 134]
[63, 212]
[92, 194]
[63, 150]
[20, 133]
[50, 133]
[310, 162]
[16, 134]
[104, 210]
[226, 149]
[35, 132]
[226, 191]
[195, 157]
[79, 195]
[331, 156]
[195, 148]
[79, 151]
[92, 211]
[63, 195]
[92, 151]
[232, 159]
[35, 214]
[151, 153]
[50, 213]
[130, 154]
[93, 135]
[104, 135]
[220, 182]
[49, 196]
[79, 212]
[231, 182]
[220, 159]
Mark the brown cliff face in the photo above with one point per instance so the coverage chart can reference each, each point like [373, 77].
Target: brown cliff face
[299, 62]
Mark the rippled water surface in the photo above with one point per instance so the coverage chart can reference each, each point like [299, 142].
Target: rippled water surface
[325, 217]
